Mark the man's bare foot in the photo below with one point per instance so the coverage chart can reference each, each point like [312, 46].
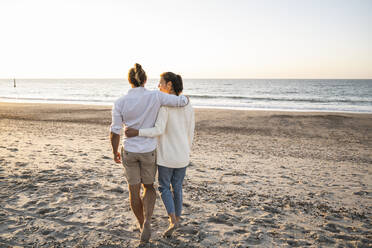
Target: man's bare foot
[146, 233]
[137, 227]
[172, 227]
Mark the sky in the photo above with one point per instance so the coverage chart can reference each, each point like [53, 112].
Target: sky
[195, 38]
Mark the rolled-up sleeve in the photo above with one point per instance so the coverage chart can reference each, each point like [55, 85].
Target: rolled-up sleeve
[117, 119]
[172, 100]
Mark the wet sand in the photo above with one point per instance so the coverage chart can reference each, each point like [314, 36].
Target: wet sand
[257, 178]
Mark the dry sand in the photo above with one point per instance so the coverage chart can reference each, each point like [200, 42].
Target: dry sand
[257, 178]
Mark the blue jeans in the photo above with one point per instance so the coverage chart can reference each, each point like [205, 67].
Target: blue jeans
[172, 199]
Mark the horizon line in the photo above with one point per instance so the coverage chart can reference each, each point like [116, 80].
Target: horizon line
[22, 78]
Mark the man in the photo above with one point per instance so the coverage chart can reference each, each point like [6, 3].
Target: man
[138, 109]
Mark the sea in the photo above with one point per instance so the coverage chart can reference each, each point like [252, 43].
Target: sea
[328, 95]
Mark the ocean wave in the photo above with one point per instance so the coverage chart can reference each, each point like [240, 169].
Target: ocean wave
[54, 99]
[275, 99]
[233, 98]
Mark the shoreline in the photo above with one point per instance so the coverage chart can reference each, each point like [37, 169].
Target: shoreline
[197, 107]
[57, 107]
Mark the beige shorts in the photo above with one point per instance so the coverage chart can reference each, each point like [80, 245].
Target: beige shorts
[139, 167]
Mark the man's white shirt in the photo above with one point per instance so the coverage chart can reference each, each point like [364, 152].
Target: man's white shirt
[139, 109]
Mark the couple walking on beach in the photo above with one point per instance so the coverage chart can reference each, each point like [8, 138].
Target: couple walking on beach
[159, 129]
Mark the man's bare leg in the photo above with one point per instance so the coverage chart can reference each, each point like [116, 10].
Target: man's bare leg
[149, 197]
[136, 203]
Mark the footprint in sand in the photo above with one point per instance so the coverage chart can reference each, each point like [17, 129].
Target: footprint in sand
[65, 189]
[266, 221]
[25, 175]
[2, 161]
[192, 230]
[117, 190]
[331, 228]
[240, 231]
[235, 174]
[361, 193]
[46, 232]
[255, 238]
[345, 237]
[21, 164]
[44, 211]
[334, 217]
[89, 170]
[298, 243]
[64, 167]
[221, 219]
[29, 203]
[324, 239]
[271, 209]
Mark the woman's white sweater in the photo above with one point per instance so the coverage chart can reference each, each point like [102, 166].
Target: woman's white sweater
[175, 128]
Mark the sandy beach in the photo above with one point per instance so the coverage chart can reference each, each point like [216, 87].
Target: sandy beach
[256, 179]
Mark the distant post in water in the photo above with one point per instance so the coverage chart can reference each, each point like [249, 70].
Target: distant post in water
[14, 82]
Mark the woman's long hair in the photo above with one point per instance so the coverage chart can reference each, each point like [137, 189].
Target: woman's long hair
[176, 80]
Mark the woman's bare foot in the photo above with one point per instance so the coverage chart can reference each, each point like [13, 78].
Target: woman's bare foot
[172, 227]
[178, 219]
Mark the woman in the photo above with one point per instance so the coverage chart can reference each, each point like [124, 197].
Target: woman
[175, 128]
[138, 109]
